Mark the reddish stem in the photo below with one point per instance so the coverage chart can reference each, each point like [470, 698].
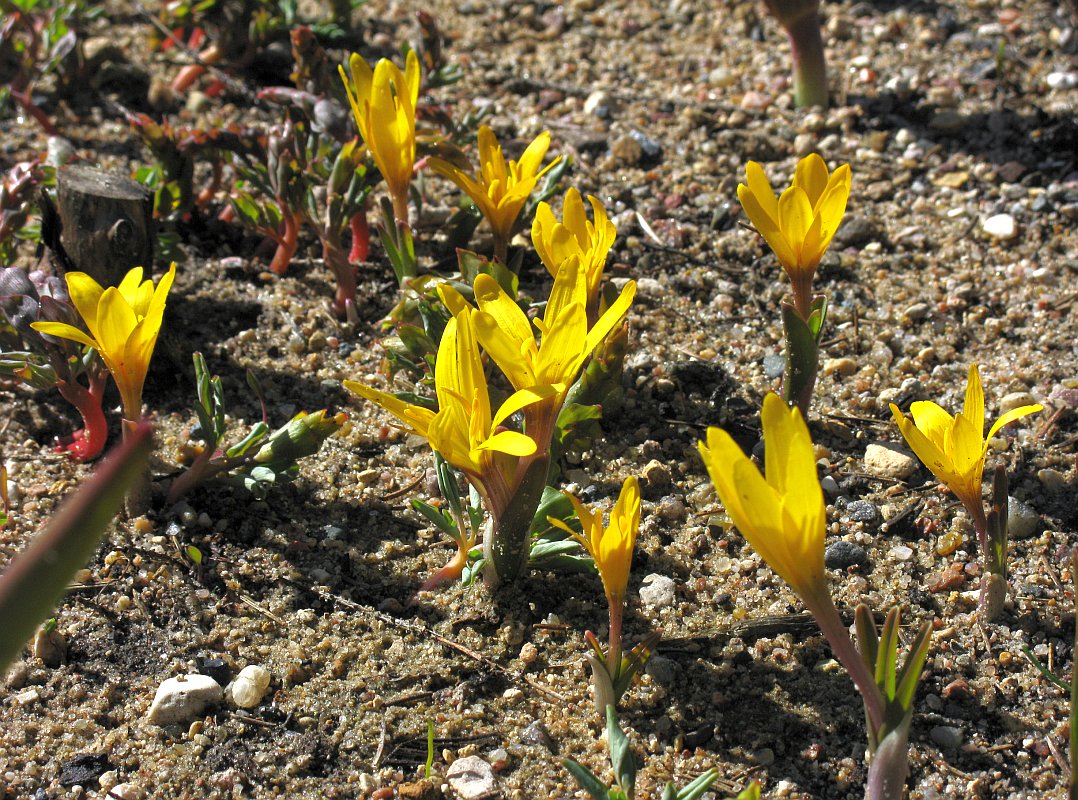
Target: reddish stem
[23, 99]
[345, 274]
[87, 443]
[361, 237]
[287, 243]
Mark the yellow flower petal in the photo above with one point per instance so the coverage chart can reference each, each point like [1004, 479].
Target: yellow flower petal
[811, 175]
[64, 331]
[1011, 416]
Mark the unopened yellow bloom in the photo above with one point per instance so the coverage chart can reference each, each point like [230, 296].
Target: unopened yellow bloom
[383, 102]
[955, 448]
[502, 188]
[462, 429]
[575, 235]
[783, 517]
[799, 225]
[123, 321]
[611, 547]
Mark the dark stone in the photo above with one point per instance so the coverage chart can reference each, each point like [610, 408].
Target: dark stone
[651, 150]
[843, 555]
[216, 668]
[700, 736]
[857, 231]
[536, 734]
[742, 659]
[84, 770]
[862, 511]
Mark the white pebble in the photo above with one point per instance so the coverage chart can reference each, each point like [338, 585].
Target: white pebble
[1062, 80]
[471, 778]
[249, 687]
[183, 698]
[901, 552]
[889, 461]
[1001, 226]
[1014, 400]
[1022, 521]
[126, 791]
[657, 591]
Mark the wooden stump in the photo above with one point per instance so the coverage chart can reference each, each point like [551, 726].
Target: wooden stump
[106, 223]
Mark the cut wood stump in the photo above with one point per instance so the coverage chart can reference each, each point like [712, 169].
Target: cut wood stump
[106, 223]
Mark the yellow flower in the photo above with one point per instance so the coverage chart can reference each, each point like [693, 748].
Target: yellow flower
[507, 334]
[954, 448]
[556, 241]
[611, 547]
[783, 517]
[462, 430]
[383, 102]
[501, 189]
[123, 322]
[799, 225]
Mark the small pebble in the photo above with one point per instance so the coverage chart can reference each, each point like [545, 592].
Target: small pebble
[889, 461]
[1062, 80]
[901, 553]
[471, 778]
[250, 686]
[657, 591]
[862, 511]
[1051, 479]
[183, 698]
[946, 736]
[663, 670]
[125, 791]
[1001, 227]
[1014, 400]
[1022, 521]
[843, 555]
[839, 366]
[774, 365]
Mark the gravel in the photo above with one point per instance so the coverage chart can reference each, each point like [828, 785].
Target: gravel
[944, 132]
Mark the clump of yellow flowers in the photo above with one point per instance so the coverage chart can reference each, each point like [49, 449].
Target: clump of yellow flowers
[955, 449]
[508, 467]
[783, 516]
[798, 226]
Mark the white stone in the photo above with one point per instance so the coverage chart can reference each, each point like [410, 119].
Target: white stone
[471, 778]
[183, 698]
[249, 687]
[125, 791]
[1062, 80]
[657, 591]
[902, 552]
[1009, 402]
[1001, 226]
[1022, 521]
[889, 461]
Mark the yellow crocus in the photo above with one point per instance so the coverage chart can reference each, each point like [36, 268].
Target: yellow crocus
[463, 430]
[575, 235]
[501, 188]
[508, 337]
[955, 448]
[383, 103]
[611, 547]
[783, 517]
[799, 225]
[123, 322]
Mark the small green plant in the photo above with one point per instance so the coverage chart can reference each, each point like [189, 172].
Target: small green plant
[624, 767]
[261, 458]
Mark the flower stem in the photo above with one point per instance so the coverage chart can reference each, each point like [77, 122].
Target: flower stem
[837, 635]
[809, 61]
[613, 650]
[90, 441]
[137, 501]
[509, 545]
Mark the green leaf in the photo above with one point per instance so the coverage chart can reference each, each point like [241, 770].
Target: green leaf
[911, 670]
[698, 786]
[750, 792]
[621, 756]
[867, 641]
[437, 517]
[36, 579]
[587, 780]
[253, 437]
[817, 316]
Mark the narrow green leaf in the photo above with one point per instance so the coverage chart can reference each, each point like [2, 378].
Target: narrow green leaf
[911, 670]
[587, 780]
[698, 786]
[36, 579]
[867, 641]
[621, 755]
